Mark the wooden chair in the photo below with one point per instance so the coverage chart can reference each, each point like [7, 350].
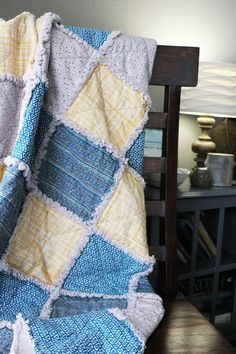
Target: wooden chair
[183, 329]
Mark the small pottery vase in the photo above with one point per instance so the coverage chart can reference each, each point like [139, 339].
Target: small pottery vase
[200, 177]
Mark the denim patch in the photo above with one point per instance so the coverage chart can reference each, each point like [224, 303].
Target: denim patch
[71, 306]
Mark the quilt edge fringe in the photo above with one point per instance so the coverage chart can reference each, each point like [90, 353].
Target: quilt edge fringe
[21, 329]
[6, 324]
[150, 305]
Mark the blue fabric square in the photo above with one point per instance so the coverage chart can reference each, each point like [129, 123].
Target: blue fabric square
[93, 36]
[20, 296]
[25, 147]
[102, 268]
[144, 286]
[76, 173]
[71, 306]
[6, 337]
[45, 121]
[12, 195]
[94, 333]
[135, 154]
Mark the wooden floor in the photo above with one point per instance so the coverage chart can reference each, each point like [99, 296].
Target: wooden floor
[185, 330]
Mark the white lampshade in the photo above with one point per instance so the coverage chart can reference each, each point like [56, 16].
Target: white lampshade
[215, 94]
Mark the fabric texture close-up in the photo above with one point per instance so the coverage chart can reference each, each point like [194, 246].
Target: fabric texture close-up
[74, 260]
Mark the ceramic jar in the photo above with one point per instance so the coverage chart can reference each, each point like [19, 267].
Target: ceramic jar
[221, 168]
[200, 177]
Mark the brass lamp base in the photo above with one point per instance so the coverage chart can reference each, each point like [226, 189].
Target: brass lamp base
[200, 176]
[204, 143]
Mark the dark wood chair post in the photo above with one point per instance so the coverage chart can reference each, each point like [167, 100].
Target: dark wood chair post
[173, 67]
[171, 105]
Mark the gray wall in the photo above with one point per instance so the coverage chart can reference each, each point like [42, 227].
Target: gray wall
[209, 24]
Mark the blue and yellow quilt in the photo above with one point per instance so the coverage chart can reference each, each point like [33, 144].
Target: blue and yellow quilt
[74, 256]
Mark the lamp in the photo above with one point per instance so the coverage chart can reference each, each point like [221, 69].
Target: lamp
[214, 96]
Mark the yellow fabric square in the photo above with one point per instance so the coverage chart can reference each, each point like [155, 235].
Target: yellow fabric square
[44, 241]
[123, 220]
[18, 41]
[108, 108]
[2, 170]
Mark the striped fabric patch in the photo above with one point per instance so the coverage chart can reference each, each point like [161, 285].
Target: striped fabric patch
[12, 196]
[102, 268]
[76, 173]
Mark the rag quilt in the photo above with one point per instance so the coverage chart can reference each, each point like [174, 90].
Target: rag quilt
[74, 256]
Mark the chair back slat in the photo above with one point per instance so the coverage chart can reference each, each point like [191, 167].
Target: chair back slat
[155, 208]
[154, 165]
[157, 120]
